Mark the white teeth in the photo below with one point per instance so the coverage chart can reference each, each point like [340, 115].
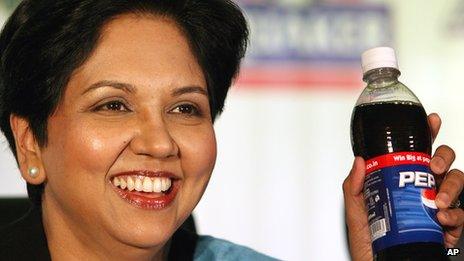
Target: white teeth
[138, 185]
[163, 184]
[168, 184]
[144, 184]
[147, 185]
[130, 184]
[157, 185]
[116, 182]
[122, 183]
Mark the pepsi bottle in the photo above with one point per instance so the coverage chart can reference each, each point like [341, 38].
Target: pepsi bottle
[389, 129]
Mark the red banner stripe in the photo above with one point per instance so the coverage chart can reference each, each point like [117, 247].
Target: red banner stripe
[395, 159]
[281, 77]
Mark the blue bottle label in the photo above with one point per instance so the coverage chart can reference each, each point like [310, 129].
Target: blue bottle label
[399, 191]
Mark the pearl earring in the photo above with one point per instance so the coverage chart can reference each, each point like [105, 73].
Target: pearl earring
[33, 172]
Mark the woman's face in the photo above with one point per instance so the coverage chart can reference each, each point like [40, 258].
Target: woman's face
[137, 110]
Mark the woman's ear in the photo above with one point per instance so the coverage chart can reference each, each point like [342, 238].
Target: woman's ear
[27, 151]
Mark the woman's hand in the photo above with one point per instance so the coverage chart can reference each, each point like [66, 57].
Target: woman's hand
[450, 183]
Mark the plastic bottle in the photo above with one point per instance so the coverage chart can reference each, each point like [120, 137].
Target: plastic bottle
[389, 129]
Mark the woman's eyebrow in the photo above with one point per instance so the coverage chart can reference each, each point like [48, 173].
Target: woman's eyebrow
[132, 89]
[189, 89]
[118, 85]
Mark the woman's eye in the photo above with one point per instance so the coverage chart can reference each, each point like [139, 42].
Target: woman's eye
[112, 106]
[187, 109]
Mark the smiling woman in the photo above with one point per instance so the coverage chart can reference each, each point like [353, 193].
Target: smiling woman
[109, 107]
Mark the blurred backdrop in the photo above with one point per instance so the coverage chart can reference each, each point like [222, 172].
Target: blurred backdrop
[284, 140]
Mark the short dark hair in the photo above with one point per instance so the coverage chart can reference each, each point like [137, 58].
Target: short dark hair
[45, 41]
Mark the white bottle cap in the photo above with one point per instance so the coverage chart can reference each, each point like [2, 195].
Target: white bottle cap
[379, 57]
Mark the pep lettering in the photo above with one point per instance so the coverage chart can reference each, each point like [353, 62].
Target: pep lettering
[418, 178]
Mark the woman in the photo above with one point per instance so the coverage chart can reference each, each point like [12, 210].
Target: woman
[109, 107]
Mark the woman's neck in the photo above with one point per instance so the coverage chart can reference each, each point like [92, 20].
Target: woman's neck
[66, 241]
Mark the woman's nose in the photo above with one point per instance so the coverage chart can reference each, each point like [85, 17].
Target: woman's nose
[154, 139]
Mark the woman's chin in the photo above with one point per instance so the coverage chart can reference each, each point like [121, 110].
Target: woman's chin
[145, 236]
[141, 227]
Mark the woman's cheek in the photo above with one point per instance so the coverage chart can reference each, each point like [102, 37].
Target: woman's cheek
[198, 152]
[90, 147]
[100, 148]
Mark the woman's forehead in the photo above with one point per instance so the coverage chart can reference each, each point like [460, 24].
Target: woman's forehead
[142, 51]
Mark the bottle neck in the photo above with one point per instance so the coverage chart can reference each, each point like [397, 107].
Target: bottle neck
[381, 77]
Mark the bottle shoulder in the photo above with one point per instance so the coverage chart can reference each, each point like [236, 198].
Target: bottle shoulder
[387, 92]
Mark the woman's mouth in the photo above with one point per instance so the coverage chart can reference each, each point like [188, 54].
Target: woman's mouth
[146, 189]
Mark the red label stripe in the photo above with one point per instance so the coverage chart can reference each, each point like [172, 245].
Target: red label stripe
[395, 159]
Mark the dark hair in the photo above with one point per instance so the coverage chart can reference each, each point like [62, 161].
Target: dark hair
[45, 41]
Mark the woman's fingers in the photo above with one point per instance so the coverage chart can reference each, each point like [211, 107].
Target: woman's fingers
[452, 184]
[434, 123]
[451, 217]
[355, 211]
[452, 220]
[450, 188]
[355, 181]
[442, 159]
[353, 193]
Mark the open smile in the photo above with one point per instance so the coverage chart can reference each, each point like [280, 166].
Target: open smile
[146, 189]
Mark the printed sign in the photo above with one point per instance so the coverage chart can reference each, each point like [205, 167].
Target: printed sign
[317, 44]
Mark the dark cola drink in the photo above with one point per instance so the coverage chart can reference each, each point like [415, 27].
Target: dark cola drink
[389, 129]
[386, 127]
